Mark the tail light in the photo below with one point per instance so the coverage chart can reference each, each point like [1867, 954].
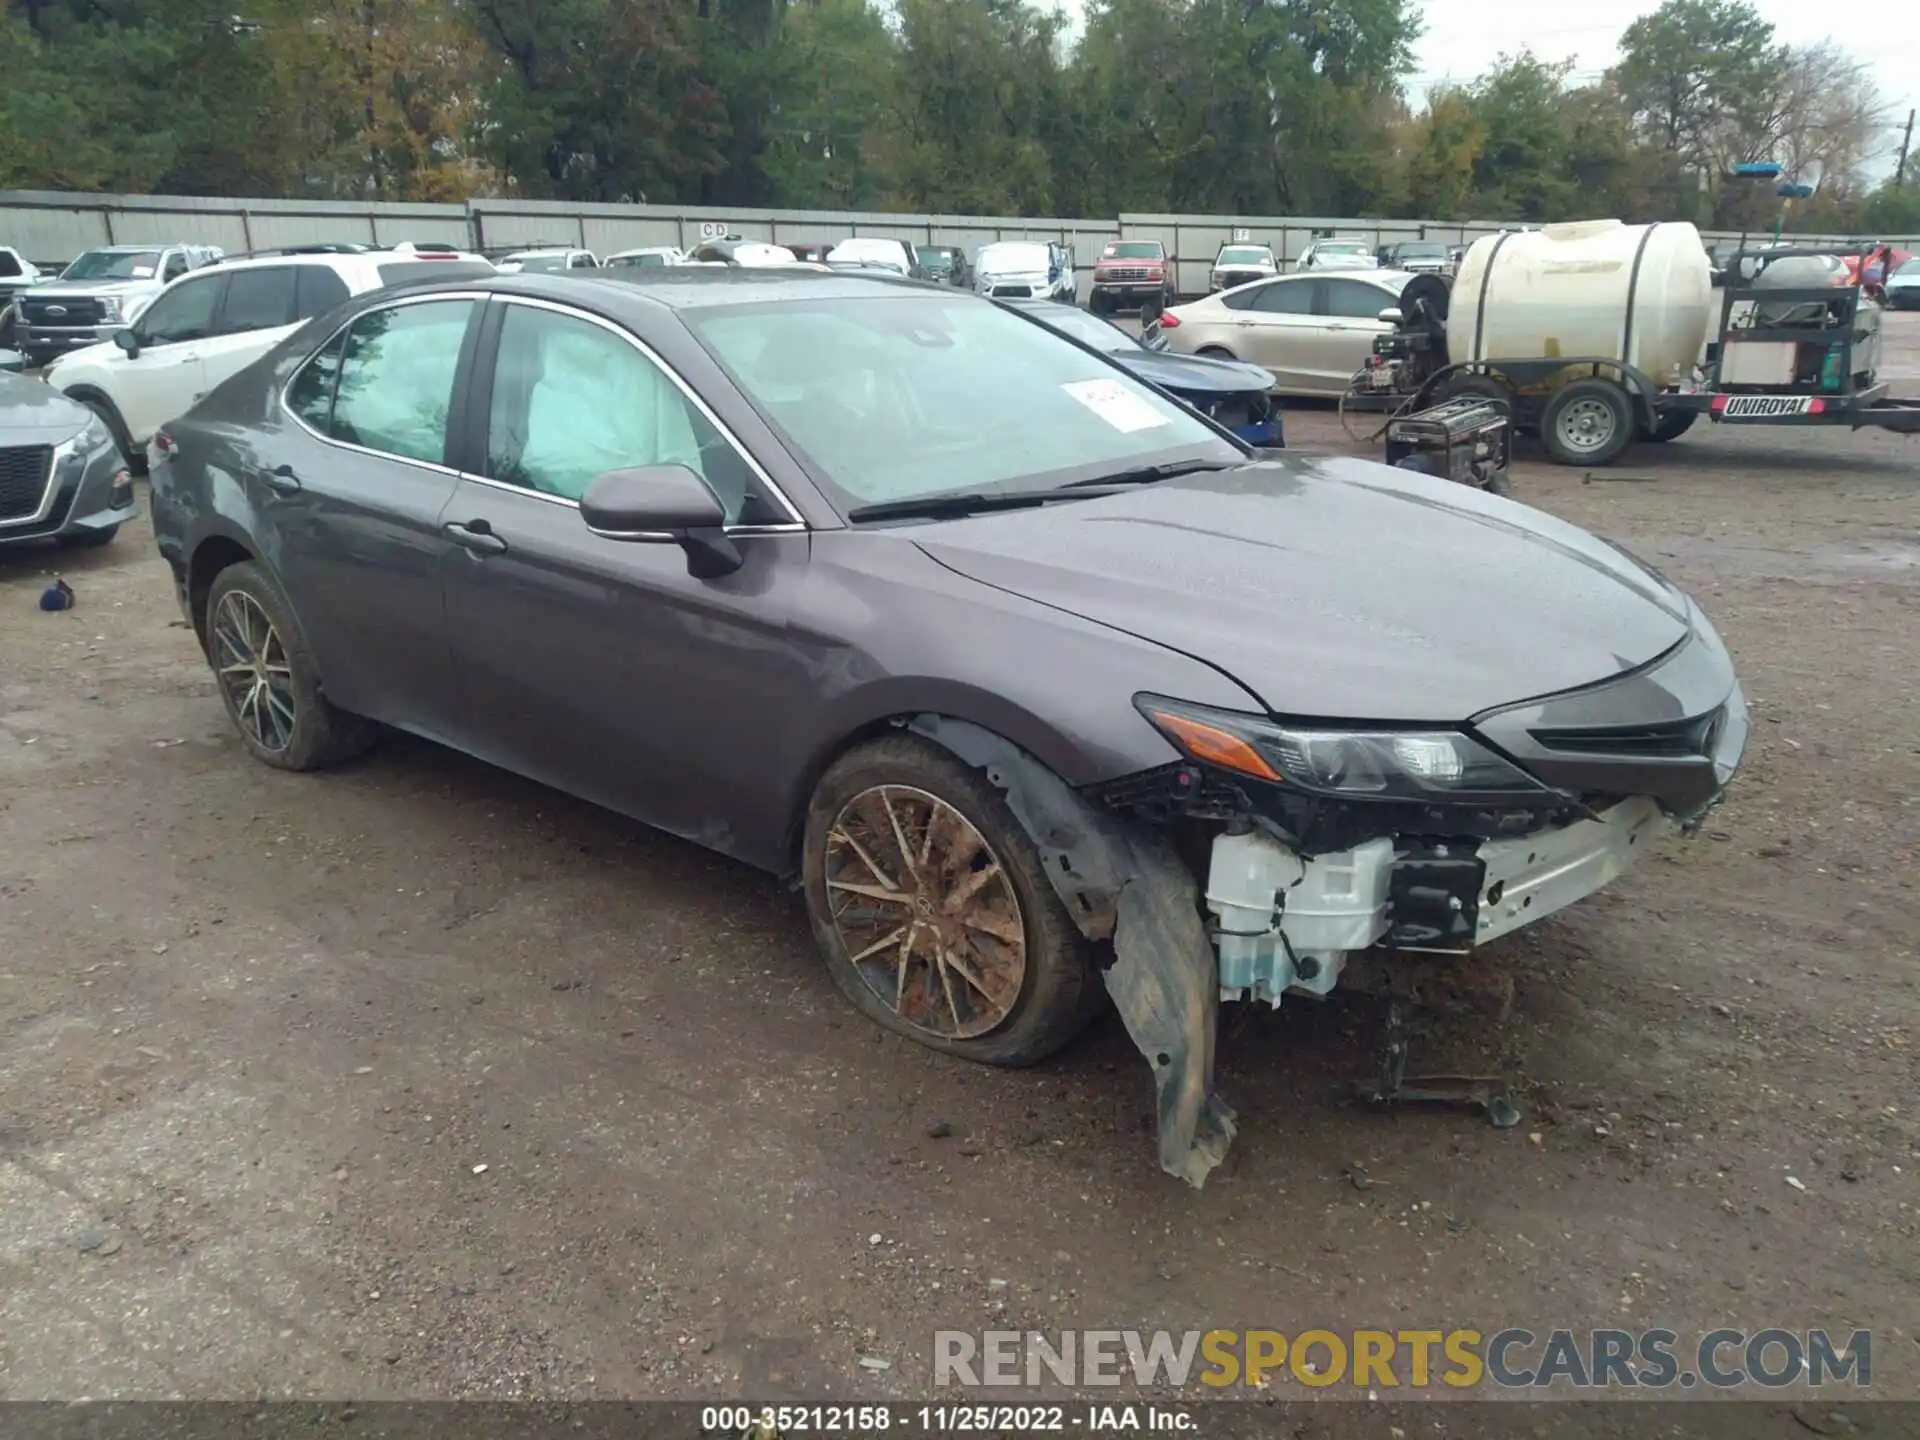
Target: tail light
[1169, 320]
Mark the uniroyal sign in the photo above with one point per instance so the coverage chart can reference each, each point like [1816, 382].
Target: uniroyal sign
[1767, 407]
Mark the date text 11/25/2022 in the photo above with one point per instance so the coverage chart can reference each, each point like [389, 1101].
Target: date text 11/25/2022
[774, 1422]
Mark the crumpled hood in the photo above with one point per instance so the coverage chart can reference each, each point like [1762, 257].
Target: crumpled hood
[1335, 588]
[1194, 374]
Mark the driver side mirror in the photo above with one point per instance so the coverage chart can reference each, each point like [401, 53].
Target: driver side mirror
[662, 504]
[129, 342]
[1391, 316]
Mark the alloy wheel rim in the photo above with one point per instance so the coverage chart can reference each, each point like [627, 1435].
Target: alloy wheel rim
[926, 910]
[1587, 425]
[251, 662]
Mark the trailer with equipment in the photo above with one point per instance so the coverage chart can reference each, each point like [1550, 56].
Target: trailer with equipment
[1596, 334]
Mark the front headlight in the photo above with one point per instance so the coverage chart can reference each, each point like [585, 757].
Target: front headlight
[1422, 765]
[96, 437]
[111, 307]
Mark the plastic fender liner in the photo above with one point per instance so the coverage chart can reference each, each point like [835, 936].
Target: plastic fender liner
[1122, 880]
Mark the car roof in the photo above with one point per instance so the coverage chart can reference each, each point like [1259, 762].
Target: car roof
[703, 288]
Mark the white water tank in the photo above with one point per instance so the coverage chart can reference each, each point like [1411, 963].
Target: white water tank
[1638, 293]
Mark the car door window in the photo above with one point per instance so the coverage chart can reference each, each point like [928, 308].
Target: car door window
[320, 289]
[1352, 300]
[9, 266]
[396, 379]
[176, 266]
[310, 396]
[573, 400]
[1283, 297]
[184, 312]
[258, 299]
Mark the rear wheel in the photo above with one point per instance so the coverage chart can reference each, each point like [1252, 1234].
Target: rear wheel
[267, 677]
[1588, 422]
[932, 910]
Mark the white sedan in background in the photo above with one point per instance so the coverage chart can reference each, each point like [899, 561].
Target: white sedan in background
[1338, 254]
[1311, 331]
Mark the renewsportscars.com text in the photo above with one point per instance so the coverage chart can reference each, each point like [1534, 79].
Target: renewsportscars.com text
[1509, 1359]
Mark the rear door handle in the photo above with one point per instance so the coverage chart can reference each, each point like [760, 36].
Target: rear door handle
[476, 537]
[282, 481]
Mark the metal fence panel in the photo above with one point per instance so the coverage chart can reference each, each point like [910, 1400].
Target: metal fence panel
[53, 227]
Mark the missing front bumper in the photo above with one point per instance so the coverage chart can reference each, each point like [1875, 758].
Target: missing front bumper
[1284, 923]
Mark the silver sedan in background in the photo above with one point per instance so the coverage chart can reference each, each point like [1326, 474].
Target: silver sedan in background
[1312, 331]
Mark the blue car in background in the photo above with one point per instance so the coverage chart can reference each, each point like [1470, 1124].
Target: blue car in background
[1233, 395]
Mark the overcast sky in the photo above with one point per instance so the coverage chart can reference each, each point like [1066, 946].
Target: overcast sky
[1463, 37]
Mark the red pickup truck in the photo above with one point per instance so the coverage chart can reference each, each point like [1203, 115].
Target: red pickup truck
[1132, 275]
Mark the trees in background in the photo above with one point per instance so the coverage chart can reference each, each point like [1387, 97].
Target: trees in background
[982, 106]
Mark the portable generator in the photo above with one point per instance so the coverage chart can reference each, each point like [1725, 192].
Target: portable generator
[1468, 438]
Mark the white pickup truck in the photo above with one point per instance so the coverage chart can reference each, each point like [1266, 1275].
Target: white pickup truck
[102, 291]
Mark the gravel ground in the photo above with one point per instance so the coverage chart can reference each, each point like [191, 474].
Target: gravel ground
[260, 1034]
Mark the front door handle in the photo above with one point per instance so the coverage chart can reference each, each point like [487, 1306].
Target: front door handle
[476, 537]
[282, 481]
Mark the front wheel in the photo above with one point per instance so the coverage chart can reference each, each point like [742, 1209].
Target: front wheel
[932, 910]
[267, 677]
[1588, 422]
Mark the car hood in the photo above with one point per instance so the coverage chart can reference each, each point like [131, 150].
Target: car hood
[1335, 588]
[1194, 374]
[56, 288]
[32, 412]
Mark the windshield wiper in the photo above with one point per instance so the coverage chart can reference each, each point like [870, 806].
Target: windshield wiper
[934, 507]
[1147, 474]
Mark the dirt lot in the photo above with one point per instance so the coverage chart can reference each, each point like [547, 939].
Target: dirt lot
[259, 1032]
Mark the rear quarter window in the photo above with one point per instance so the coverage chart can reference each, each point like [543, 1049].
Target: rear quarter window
[320, 290]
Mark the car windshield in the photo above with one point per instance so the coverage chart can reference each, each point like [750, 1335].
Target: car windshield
[1086, 328]
[1132, 250]
[113, 265]
[532, 264]
[1014, 258]
[636, 262]
[1909, 269]
[1246, 255]
[1417, 250]
[1342, 247]
[910, 395]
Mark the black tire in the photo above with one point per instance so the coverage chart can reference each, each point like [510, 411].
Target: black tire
[107, 411]
[1671, 425]
[88, 539]
[1588, 422]
[1097, 303]
[1053, 1003]
[319, 734]
[1456, 386]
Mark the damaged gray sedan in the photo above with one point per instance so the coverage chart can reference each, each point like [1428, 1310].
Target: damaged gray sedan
[1043, 687]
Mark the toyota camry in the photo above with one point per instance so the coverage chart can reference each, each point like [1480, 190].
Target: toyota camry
[1044, 687]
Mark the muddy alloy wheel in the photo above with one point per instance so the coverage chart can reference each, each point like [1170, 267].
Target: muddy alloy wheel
[267, 676]
[932, 908]
[250, 659]
[926, 911]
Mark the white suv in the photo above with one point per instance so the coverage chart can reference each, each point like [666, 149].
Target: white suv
[215, 322]
[548, 260]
